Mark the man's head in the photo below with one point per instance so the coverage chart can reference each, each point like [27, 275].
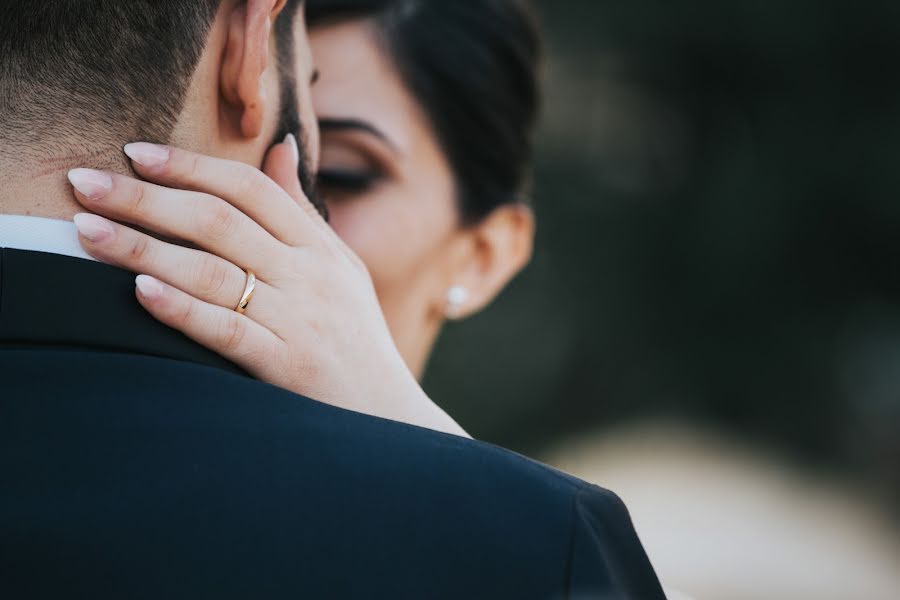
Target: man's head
[78, 78]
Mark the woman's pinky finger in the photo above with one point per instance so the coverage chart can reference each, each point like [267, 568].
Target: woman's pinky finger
[236, 337]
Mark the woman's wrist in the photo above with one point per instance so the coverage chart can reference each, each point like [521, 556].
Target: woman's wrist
[407, 402]
[426, 413]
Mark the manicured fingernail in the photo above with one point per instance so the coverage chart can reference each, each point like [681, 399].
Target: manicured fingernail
[94, 228]
[147, 155]
[90, 183]
[148, 287]
[291, 141]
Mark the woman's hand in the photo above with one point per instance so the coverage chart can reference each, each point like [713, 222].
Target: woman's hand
[313, 325]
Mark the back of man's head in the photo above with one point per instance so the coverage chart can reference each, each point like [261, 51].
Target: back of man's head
[80, 78]
[102, 68]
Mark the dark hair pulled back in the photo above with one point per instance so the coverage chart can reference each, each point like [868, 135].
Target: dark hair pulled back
[472, 66]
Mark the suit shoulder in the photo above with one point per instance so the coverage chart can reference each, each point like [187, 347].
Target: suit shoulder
[606, 558]
[387, 435]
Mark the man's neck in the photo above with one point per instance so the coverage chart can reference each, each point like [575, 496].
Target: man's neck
[41, 188]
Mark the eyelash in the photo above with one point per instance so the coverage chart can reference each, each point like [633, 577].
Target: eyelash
[348, 181]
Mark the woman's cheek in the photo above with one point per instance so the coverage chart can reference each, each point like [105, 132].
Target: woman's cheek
[361, 225]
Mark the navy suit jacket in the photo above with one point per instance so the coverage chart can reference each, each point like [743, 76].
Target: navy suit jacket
[135, 464]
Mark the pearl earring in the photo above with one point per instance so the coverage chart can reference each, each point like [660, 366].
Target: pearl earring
[457, 297]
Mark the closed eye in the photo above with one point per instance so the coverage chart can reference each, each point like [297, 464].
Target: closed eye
[346, 180]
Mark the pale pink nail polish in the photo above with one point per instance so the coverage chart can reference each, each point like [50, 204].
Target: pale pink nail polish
[291, 141]
[147, 155]
[95, 229]
[148, 287]
[90, 183]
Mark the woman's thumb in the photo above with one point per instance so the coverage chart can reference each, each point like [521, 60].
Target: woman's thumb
[281, 165]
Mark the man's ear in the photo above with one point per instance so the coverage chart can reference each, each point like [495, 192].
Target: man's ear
[246, 59]
[497, 250]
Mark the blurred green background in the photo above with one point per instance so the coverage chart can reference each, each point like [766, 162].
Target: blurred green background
[716, 191]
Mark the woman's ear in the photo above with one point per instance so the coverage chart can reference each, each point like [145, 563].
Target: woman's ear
[246, 59]
[499, 247]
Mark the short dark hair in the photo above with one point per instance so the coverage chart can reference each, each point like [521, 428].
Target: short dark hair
[472, 66]
[108, 66]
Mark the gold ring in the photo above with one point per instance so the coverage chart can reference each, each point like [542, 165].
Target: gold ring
[248, 293]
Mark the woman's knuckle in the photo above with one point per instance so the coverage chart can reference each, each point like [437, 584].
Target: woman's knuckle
[217, 219]
[184, 314]
[232, 334]
[138, 201]
[213, 276]
[296, 264]
[140, 250]
[191, 166]
[287, 269]
[252, 186]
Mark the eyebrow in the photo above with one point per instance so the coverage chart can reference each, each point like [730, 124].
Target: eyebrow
[331, 124]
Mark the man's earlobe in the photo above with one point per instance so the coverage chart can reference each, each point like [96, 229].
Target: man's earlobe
[246, 60]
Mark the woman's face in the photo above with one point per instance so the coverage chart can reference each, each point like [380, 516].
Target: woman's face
[388, 185]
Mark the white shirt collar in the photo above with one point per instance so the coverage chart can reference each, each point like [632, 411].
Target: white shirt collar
[41, 235]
